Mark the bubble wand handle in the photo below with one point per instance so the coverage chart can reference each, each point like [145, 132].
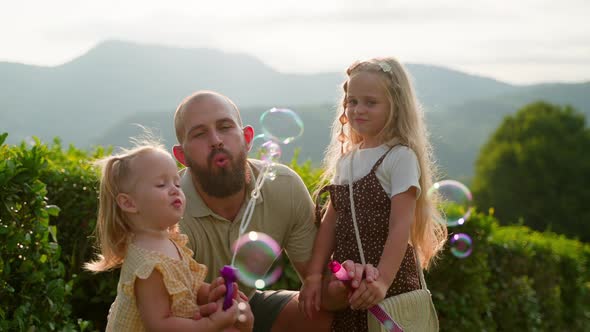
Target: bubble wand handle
[230, 275]
[377, 311]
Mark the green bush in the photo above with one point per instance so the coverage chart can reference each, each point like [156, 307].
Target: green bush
[458, 285]
[34, 292]
[515, 279]
[72, 182]
[558, 269]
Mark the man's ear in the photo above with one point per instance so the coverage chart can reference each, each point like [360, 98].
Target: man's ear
[248, 135]
[179, 154]
[126, 203]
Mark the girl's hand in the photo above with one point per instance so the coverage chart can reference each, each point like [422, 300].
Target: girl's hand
[310, 296]
[357, 272]
[371, 273]
[370, 292]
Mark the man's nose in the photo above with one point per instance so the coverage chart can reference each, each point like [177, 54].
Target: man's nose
[216, 141]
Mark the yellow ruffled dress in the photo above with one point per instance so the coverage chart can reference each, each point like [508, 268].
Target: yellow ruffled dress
[182, 279]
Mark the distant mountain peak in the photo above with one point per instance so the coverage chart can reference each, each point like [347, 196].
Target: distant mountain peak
[114, 50]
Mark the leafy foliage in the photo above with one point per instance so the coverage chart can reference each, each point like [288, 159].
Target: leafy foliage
[72, 182]
[515, 279]
[458, 286]
[34, 289]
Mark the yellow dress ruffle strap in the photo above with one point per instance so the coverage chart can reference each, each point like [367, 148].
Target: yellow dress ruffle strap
[182, 279]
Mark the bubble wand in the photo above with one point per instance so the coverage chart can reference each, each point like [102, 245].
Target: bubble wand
[229, 272]
[377, 311]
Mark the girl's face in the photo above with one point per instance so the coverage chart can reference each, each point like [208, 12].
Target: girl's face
[367, 107]
[157, 196]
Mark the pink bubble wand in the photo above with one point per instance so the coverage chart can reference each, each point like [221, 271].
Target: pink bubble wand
[376, 310]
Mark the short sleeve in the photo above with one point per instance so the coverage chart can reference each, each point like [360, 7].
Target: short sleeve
[144, 270]
[405, 171]
[303, 230]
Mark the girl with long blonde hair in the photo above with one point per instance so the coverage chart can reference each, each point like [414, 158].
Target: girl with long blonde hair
[380, 144]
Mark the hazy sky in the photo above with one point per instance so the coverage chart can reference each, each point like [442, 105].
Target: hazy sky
[524, 41]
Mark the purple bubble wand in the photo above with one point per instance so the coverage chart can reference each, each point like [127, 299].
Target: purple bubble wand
[230, 275]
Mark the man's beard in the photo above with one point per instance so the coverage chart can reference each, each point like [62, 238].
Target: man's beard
[224, 182]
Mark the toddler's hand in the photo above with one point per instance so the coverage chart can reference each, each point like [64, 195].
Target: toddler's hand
[205, 310]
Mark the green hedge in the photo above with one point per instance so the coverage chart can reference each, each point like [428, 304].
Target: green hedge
[558, 271]
[515, 279]
[72, 182]
[459, 286]
[35, 291]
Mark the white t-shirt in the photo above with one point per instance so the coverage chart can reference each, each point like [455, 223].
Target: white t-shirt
[397, 173]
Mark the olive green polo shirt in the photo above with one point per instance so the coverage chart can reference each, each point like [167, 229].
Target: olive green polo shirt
[284, 210]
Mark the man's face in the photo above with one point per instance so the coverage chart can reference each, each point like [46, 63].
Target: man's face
[214, 146]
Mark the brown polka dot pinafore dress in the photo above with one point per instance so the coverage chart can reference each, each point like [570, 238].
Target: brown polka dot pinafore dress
[372, 207]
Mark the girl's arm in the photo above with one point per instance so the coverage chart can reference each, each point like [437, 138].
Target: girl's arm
[323, 246]
[403, 206]
[310, 298]
[153, 302]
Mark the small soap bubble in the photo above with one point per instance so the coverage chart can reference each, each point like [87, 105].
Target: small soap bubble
[461, 245]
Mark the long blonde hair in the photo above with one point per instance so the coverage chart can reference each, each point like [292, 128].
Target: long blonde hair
[113, 228]
[405, 125]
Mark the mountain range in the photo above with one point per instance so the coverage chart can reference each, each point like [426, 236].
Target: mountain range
[97, 98]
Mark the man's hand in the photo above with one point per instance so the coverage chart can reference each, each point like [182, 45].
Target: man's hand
[245, 318]
[337, 293]
[245, 321]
